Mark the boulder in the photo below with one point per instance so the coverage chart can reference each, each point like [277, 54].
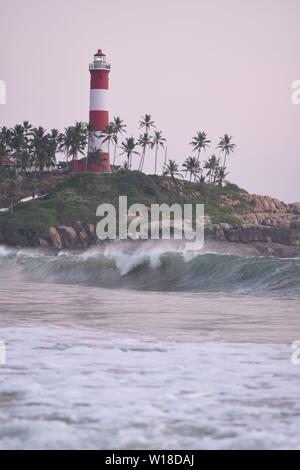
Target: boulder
[84, 238]
[68, 236]
[55, 238]
[294, 208]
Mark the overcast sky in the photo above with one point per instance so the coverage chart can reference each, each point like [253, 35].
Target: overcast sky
[213, 65]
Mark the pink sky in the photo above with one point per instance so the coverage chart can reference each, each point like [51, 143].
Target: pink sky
[214, 65]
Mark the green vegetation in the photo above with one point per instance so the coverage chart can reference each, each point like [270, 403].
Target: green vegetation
[71, 198]
[76, 198]
[35, 150]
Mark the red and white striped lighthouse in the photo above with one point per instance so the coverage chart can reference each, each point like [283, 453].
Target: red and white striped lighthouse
[99, 117]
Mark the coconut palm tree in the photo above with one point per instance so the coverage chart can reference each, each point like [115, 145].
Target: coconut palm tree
[54, 141]
[93, 156]
[157, 141]
[128, 148]
[27, 127]
[171, 169]
[20, 146]
[5, 137]
[119, 128]
[144, 141]
[200, 142]
[74, 140]
[165, 159]
[108, 135]
[146, 123]
[39, 148]
[25, 154]
[212, 164]
[226, 146]
[221, 175]
[192, 166]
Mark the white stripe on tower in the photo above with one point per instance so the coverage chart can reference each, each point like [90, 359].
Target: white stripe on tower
[99, 100]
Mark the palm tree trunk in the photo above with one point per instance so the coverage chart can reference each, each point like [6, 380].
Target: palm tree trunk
[115, 151]
[224, 164]
[141, 160]
[156, 158]
[165, 161]
[75, 158]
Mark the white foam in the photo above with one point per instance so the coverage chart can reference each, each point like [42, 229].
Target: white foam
[67, 388]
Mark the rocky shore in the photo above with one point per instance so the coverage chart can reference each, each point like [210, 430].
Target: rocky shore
[270, 227]
[66, 217]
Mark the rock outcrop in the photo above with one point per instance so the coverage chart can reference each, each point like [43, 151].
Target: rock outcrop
[264, 210]
[262, 220]
[70, 237]
[247, 233]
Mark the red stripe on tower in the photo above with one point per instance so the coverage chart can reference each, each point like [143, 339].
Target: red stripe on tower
[99, 116]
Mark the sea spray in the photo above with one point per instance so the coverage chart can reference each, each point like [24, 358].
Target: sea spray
[157, 268]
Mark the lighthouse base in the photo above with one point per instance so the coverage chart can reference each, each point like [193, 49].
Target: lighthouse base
[92, 164]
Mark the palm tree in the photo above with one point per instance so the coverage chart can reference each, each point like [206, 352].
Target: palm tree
[25, 154]
[108, 135]
[221, 175]
[119, 128]
[146, 123]
[165, 159]
[200, 142]
[54, 141]
[157, 141]
[226, 146]
[27, 127]
[39, 148]
[171, 169]
[144, 141]
[192, 166]
[74, 140]
[128, 147]
[212, 164]
[93, 156]
[5, 137]
[20, 146]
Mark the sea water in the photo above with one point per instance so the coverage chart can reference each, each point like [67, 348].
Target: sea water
[148, 348]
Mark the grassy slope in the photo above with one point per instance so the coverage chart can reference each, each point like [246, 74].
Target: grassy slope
[77, 198]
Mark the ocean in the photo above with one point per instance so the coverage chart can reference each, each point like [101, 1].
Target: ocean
[140, 346]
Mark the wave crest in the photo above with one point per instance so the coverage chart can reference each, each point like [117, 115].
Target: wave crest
[154, 268]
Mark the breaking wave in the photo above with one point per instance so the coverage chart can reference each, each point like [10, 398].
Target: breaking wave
[155, 269]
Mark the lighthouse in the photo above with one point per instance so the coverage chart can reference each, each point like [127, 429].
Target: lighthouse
[99, 116]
